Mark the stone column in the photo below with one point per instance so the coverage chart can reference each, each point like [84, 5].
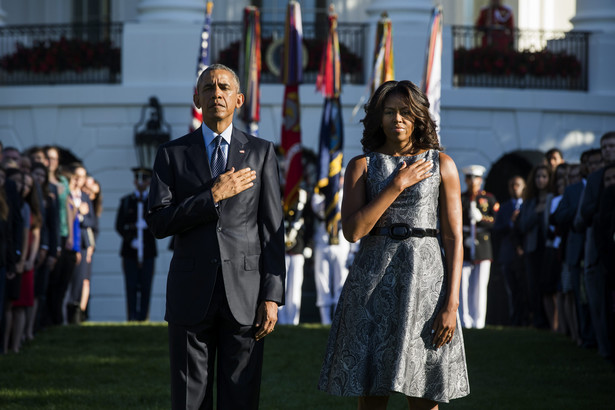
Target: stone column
[598, 17]
[410, 19]
[187, 11]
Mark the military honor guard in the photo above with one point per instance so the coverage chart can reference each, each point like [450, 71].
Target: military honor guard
[479, 211]
[138, 250]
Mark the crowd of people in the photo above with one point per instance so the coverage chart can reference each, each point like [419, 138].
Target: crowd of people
[553, 241]
[48, 226]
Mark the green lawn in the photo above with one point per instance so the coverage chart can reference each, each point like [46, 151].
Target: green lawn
[121, 366]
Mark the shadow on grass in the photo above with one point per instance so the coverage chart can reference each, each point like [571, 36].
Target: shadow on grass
[125, 366]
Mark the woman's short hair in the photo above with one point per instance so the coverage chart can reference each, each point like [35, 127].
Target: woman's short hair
[424, 135]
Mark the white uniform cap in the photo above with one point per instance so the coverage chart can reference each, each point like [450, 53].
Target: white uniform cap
[474, 171]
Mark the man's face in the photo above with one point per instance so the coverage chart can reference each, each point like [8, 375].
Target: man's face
[574, 175]
[608, 150]
[218, 96]
[515, 188]
[594, 163]
[609, 177]
[473, 182]
[142, 182]
[11, 154]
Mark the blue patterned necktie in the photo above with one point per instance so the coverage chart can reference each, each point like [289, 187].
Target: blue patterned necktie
[218, 162]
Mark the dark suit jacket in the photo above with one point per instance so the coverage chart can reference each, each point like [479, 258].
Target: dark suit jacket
[244, 234]
[563, 217]
[125, 225]
[506, 234]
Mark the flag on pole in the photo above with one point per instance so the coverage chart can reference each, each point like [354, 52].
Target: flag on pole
[384, 68]
[432, 75]
[292, 75]
[202, 62]
[250, 68]
[331, 139]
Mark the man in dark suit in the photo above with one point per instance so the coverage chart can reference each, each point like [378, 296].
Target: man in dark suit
[595, 276]
[510, 255]
[139, 249]
[217, 191]
[563, 218]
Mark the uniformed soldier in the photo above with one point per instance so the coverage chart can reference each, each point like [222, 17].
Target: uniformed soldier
[138, 247]
[479, 210]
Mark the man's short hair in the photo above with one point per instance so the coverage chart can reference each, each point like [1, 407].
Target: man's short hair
[218, 66]
[607, 135]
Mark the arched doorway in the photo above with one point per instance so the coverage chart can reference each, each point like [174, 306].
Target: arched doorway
[513, 163]
[510, 164]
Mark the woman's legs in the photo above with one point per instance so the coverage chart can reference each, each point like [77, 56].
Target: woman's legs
[19, 324]
[549, 302]
[8, 325]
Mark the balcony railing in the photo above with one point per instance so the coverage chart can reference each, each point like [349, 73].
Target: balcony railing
[520, 58]
[226, 40]
[60, 54]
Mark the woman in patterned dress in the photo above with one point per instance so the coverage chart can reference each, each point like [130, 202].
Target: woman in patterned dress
[395, 328]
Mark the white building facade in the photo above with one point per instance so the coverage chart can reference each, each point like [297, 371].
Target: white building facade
[159, 49]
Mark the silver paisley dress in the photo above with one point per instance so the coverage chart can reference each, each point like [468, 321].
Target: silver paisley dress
[380, 340]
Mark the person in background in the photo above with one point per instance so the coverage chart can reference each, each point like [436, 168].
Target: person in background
[330, 261]
[479, 211]
[94, 192]
[46, 258]
[554, 157]
[552, 264]
[70, 256]
[595, 275]
[605, 239]
[573, 241]
[496, 21]
[65, 257]
[510, 254]
[10, 154]
[139, 249]
[16, 316]
[534, 226]
[297, 226]
[87, 223]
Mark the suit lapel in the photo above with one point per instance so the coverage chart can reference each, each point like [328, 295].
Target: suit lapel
[197, 156]
[236, 151]
[236, 154]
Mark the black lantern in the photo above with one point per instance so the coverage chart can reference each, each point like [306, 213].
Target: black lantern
[150, 133]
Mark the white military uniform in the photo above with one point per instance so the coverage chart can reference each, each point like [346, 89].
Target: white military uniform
[330, 263]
